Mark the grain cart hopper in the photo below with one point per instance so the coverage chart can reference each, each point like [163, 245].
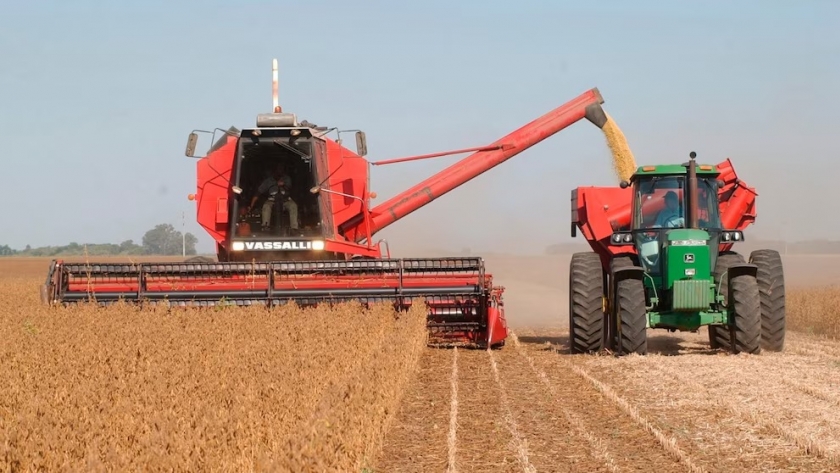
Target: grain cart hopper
[655, 266]
[332, 255]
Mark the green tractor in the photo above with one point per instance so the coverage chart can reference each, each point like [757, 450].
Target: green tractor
[668, 265]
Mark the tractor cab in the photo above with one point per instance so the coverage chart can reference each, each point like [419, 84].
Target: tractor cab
[662, 217]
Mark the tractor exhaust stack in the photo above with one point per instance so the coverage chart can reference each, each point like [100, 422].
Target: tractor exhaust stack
[691, 187]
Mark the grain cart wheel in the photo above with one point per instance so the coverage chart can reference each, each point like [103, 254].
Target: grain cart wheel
[745, 303]
[629, 310]
[718, 335]
[586, 311]
[771, 289]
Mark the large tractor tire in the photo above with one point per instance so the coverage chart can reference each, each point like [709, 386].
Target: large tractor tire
[719, 335]
[771, 287]
[586, 307]
[746, 318]
[630, 311]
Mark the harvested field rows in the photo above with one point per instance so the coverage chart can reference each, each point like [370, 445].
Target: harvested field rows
[700, 411]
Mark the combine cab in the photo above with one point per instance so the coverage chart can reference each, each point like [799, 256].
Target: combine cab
[662, 259]
[289, 210]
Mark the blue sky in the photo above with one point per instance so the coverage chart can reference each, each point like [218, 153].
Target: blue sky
[97, 99]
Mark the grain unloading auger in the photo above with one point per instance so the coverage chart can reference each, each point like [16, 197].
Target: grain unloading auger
[331, 255]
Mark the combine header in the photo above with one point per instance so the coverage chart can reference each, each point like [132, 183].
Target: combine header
[662, 258]
[289, 209]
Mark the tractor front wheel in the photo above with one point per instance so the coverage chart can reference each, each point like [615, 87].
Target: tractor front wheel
[719, 334]
[630, 311]
[771, 287]
[586, 308]
[745, 304]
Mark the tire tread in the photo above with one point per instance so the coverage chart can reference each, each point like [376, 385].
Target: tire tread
[586, 290]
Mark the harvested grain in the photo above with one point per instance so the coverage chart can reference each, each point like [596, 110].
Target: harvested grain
[624, 164]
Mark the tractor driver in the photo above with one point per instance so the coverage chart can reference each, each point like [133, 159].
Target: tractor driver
[669, 216]
[277, 187]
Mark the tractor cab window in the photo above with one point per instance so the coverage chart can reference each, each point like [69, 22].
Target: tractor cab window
[660, 203]
[708, 211]
[659, 206]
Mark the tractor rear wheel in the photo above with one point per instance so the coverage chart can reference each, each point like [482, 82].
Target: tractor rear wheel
[630, 310]
[586, 307]
[771, 287]
[719, 335]
[745, 305]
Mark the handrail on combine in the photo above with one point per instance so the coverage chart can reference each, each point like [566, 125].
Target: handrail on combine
[365, 210]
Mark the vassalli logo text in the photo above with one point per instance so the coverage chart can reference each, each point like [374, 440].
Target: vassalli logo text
[280, 245]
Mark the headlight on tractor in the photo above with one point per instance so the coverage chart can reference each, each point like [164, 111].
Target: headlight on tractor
[733, 235]
[620, 238]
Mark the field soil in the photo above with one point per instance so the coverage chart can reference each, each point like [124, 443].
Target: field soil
[532, 406]
[362, 404]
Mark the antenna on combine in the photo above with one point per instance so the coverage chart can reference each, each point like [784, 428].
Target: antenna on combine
[274, 87]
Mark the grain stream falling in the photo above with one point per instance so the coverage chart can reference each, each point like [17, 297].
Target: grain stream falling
[624, 164]
[233, 389]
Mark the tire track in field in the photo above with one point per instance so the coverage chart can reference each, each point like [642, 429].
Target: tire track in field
[596, 446]
[616, 434]
[483, 436]
[813, 391]
[417, 440]
[809, 445]
[715, 427]
[517, 442]
[765, 401]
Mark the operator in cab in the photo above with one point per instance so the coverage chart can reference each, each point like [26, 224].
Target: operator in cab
[670, 216]
[277, 187]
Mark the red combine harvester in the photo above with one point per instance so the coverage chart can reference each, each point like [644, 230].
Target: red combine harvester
[330, 255]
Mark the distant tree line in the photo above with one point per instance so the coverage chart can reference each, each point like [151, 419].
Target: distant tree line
[161, 240]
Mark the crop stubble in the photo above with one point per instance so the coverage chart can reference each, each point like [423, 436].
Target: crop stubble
[701, 410]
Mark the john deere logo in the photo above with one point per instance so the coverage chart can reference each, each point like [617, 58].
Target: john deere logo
[688, 258]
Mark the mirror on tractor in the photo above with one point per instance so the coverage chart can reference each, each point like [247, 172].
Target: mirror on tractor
[192, 141]
[361, 143]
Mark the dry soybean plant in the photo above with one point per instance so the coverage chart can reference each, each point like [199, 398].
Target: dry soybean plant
[187, 389]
